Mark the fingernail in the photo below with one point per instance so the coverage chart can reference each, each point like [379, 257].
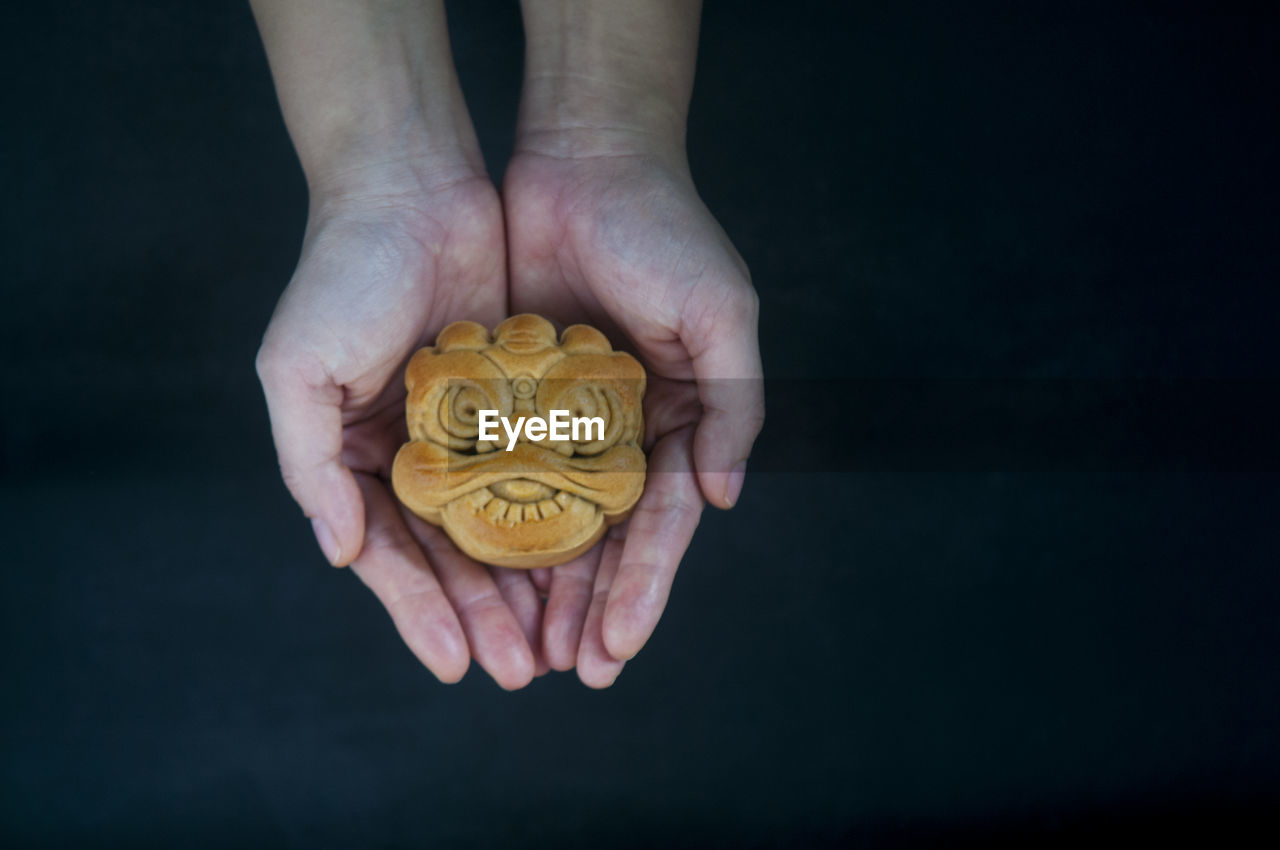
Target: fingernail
[733, 487]
[328, 543]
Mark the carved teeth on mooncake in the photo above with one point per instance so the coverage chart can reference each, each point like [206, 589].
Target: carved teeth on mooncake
[496, 509]
[477, 499]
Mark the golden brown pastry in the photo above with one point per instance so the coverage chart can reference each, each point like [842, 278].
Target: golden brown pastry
[532, 497]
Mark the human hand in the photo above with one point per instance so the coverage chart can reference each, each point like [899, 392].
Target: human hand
[404, 236]
[621, 240]
[383, 269]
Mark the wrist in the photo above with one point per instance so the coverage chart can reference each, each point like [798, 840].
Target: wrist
[388, 170]
[404, 133]
[607, 77]
[569, 116]
[368, 90]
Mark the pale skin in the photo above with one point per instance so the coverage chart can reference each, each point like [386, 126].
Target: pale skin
[598, 221]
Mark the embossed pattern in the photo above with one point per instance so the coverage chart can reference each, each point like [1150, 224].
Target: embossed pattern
[542, 503]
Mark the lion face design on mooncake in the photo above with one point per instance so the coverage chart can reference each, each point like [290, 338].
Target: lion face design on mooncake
[541, 503]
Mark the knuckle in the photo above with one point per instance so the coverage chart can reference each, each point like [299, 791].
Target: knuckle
[292, 481]
[424, 595]
[479, 602]
[574, 586]
[683, 510]
[280, 365]
[270, 362]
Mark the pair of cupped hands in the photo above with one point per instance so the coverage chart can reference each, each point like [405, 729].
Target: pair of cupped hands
[403, 248]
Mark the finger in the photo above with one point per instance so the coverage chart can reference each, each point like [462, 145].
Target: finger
[541, 578]
[658, 534]
[497, 641]
[725, 348]
[392, 565]
[597, 667]
[516, 587]
[306, 425]
[568, 599]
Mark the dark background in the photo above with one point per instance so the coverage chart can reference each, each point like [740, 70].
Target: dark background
[1029, 249]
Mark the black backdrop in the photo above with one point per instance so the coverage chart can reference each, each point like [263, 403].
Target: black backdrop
[1013, 574]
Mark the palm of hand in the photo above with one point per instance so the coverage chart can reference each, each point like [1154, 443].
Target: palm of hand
[376, 281]
[373, 286]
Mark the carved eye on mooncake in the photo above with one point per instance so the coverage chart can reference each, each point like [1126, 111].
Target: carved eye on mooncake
[611, 391]
[446, 394]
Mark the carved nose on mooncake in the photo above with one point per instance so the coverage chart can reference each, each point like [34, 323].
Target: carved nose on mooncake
[534, 503]
[525, 334]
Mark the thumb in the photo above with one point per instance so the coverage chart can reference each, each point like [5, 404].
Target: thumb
[726, 364]
[306, 425]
